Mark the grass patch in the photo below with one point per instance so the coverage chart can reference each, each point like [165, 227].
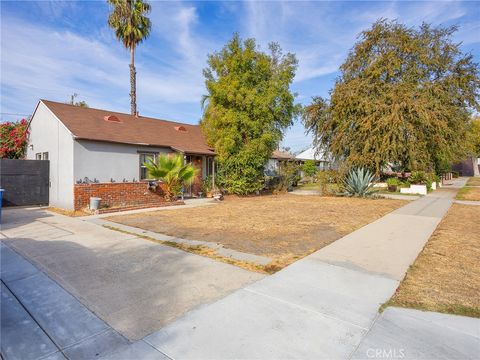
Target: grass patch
[469, 193]
[446, 275]
[473, 181]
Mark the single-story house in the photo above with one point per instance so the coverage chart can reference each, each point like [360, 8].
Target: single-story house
[468, 167]
[101, 153]
[321, 159]
[273, 165]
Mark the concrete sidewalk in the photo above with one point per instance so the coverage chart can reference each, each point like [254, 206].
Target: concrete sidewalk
[325, 306]
[41, 320]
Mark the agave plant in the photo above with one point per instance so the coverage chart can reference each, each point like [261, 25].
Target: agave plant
[173, 173]
[359, 183]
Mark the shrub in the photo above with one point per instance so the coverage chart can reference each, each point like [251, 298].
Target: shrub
[359, 182]
[173, 173]
[207, 185]
[326, 178]
[13, 139]
[309, 168]
[422, 178]
[287, 177]
[393, 181]
[418, 177]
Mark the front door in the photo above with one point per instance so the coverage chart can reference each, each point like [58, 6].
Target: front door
[194, 188]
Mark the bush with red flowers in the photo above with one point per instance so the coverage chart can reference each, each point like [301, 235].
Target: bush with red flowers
[13, 139]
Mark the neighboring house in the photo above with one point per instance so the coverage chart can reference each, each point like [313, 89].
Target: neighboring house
[101, 153]
[321, 160]
[273, 165]
[468, 167]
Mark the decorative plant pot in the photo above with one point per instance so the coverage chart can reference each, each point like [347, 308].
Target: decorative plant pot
[415, 189]
[392, 188]
[434, 185]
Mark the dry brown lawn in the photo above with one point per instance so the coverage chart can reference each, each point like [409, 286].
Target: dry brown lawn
[446, 275]
[283, 227]
[474, 181]
[469, 193]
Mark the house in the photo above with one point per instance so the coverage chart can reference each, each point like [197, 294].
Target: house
[273, 165]
[101, 153]
[321, 159]
[468, 167]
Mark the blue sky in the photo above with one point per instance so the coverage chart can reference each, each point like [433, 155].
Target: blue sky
[54, 49]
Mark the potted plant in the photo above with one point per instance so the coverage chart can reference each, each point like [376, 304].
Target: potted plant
[207, 187]
[418, 181]
[393, 184]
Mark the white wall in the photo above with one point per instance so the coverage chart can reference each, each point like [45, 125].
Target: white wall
[48, 134]
[271, 167]
[105, 161]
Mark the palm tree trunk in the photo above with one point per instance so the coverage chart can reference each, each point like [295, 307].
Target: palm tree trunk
[133, 82]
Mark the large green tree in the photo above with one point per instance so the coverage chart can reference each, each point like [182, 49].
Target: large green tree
[131, 25]
[248, 106]
[404, 97]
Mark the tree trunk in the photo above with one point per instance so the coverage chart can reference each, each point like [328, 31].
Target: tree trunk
[133, 83]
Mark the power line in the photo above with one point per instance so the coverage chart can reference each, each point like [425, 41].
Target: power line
[4, 113]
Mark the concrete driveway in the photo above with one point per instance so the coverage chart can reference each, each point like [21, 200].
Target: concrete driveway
[134, 285]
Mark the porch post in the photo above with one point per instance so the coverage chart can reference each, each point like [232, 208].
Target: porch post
[213, 173]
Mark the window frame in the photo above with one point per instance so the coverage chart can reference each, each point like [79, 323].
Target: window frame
[141, 166]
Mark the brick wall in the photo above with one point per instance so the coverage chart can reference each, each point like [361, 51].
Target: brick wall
[117, 194]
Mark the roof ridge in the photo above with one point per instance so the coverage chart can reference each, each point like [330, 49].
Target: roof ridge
[116, 112]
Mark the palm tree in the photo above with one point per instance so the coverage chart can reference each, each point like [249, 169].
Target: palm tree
[131, 28]
[173, 173]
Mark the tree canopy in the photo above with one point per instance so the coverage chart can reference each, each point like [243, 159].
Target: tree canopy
[404, 98]
[248, 106]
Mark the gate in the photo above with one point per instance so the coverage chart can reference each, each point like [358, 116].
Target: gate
[26, 182]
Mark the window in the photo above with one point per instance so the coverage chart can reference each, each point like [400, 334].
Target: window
[45, 156]
[146, 157]
[38, 156]
[209, 166]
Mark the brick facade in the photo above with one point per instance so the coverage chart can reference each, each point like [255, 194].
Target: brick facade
[122, 194]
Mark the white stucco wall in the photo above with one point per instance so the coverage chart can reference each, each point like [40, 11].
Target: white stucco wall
[271, 167]
[48, 134]
[105, 161]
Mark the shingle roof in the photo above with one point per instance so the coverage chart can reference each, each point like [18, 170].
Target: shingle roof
[110, 126]
[282, 155]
